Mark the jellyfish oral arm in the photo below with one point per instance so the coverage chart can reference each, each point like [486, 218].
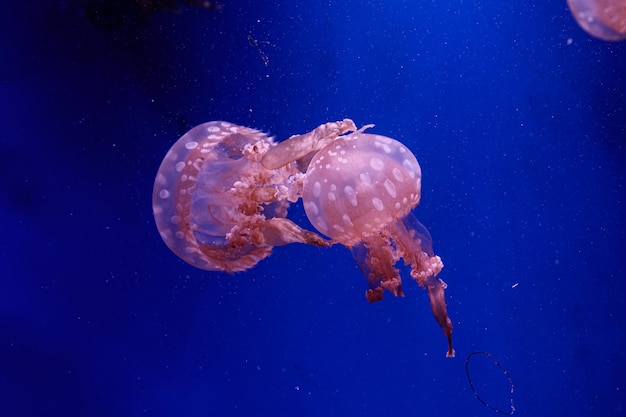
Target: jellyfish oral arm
[376, 262]
[436, 294]
[281, 231]
[415, 243]
[299, 146]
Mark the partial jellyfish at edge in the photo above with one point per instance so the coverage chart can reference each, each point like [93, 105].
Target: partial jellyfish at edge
[603, 19]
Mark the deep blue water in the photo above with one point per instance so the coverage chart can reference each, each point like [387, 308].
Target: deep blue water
[518, 119]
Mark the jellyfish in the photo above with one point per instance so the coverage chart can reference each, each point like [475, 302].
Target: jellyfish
[359, 190]
[221, 196]
[215, 204]
[604, 19]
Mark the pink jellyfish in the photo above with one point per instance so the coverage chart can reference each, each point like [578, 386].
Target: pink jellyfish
[359, 190]
[221, 195]
[218, 207]
[603, 19]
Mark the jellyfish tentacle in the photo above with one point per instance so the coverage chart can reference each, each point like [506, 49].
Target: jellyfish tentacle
[376, 263]
[436, 294]
[281, 231]
[425, 266]
[299, 146]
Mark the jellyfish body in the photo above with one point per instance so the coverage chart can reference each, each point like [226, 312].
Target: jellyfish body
[360, 190]
[221, 196]
[603, 19]
[217, 207]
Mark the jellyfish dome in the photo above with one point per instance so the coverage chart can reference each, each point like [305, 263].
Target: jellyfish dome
[360, 190]
[356, 187]
[603, 19]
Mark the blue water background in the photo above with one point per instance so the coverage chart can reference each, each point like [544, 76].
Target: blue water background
[518, 119]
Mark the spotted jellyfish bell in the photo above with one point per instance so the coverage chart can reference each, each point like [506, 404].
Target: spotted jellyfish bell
[360, 190]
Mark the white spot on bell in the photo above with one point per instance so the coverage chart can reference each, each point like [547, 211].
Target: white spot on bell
[378, 204]
[365, 178]
[317, 188]
[338, 228]
[350, 194]
[397, 174]
[377, 164]
[384, 146]
[312, 208]
[390, 187]
[409, 168]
